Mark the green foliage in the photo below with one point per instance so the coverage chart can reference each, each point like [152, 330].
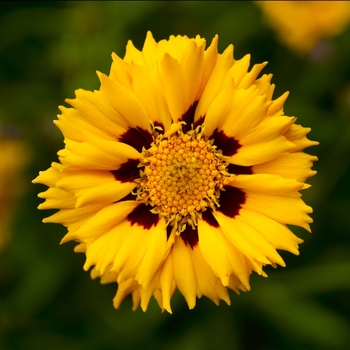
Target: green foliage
[49, 49]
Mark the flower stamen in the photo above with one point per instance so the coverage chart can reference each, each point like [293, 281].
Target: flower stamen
[182, 176]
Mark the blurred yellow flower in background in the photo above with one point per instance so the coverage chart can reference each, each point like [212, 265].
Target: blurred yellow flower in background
[13, 158]
[302, 24]
[180, 172]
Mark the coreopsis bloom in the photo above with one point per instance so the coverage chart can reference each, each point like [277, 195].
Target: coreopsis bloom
[180, 172]
[302, 24]
[12, 161]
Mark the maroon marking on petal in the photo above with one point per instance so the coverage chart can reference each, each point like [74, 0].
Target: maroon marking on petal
[128, 171]
[208, 217]
[239, 169]
[129, 197]
[190, 236]
[228, 145]
[168, 231]
[199, 121]
[159, 125]
[137, 138]
[231, 200]
[141, 216]
[188, 117]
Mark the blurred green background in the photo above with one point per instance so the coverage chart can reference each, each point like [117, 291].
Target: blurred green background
[47, 301]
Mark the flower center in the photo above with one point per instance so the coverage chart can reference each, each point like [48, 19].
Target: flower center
[182, 176]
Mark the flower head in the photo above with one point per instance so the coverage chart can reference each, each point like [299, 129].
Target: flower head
[180, 172]
[14, 158]
[301, 24]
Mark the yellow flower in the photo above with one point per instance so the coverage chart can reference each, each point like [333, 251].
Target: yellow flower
[301, 24]
[180, 172]
[13, 159]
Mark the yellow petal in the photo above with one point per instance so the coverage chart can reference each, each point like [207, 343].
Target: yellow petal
[146, 293]
[267, 130]
[50, 176]
[249, 78]
[120, 71]
[103, 250]
[136, 299]
[125, 103]
[265, 87]
[285, 210]
[245, 106]
[239, 69]
[219, 109]
[142, 253]
[294, 165]
[104, 155]
[177, 45]
[208, 284]
[210, 57]
[56, 199]
[167, 283]
[236, 285]
[247, 240]
[277, 234]
[149, 51]
[297, 135]
[258, 153]
[68, 217]
[213, 244]
[133, 55]
[185, 277]
[248, 109]
[104, 220]
[269, 184]
[124, 289]
[174, 87]
[94, 186]
[276, 108]
[106, 277]
[76, 127]
[218, 77]
[191, 66]
[95, 109]
[150, 91]
[80, 248]
[107, 193]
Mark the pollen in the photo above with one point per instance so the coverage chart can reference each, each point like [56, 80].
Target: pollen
[183, 175]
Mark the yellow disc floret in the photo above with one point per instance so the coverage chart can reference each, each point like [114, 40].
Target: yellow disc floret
[182, 176]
